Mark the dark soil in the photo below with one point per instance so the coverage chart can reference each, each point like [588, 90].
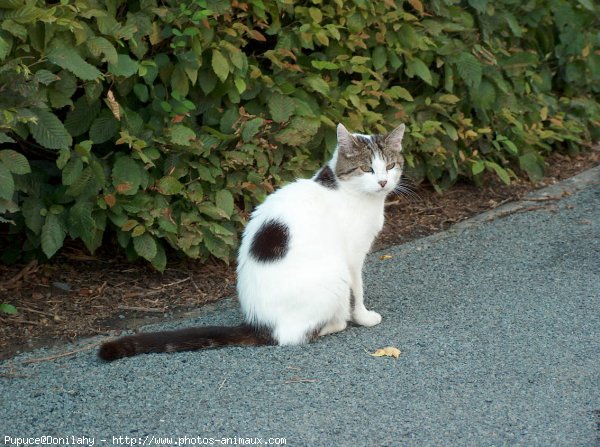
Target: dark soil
[80, 295]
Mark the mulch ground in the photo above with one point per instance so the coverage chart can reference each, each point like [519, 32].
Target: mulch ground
[79, 295]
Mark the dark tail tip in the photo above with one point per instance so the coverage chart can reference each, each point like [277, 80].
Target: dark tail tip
[114, 350]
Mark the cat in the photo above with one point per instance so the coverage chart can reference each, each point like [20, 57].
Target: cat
[299, 270]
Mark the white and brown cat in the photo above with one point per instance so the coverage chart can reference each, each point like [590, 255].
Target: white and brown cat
[302, 253]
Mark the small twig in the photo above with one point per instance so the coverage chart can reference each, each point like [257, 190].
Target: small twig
[143, 309]
[35, 323]
[541, 199]
[143, 292]
[64, 354]
[176, 282]
[520, 210]
[222, 384]
[39, 312]
[24, 271]
[502, 202]
[195, 285]
[296, 379]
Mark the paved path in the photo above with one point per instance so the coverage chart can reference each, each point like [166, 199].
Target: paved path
[498, 321]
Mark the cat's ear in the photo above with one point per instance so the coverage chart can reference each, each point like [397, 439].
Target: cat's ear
[394, 138]
[346, 141]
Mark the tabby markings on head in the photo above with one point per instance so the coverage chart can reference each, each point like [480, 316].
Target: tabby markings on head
[271, 241]
[326, 178]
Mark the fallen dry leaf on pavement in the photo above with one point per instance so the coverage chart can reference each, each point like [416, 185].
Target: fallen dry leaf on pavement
[385, 257]
[389, 351]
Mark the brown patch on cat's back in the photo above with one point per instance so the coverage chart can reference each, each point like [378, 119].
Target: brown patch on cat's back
[326, 178]
[271, 241]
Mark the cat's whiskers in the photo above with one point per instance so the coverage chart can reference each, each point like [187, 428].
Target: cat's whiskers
[406, 189]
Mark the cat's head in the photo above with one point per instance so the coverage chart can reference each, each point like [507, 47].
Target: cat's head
[369, 163]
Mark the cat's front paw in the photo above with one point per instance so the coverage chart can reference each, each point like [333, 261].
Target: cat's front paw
[367, 318]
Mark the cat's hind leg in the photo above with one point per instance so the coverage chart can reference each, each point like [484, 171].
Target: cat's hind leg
[333, 327]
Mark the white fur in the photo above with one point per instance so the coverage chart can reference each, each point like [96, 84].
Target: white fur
[331, 231]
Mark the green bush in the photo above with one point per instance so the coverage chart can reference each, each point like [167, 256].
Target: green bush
[163, 124]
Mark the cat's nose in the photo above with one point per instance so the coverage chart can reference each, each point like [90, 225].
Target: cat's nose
[382, 183]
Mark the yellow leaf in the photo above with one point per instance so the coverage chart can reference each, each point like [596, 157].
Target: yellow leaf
[586, 51]
[417, 5]
[389, 351]
[114, 105]
[385, 257]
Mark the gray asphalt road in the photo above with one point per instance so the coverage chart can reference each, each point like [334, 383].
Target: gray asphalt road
[498, 321]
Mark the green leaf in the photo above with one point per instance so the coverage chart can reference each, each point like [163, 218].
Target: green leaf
[6, 42]
[533, 165]
[159, 262]
[145, 246]
[126, 176]
[220, 65]
[299, 131]
[251, 128]
[182, 135]
[478, 167]
[400, 92]
[141, 91]
[588, 4]
[379, 57]
[79, 120]
[324, 65]
[509, 145]
[8, 309]
[500, 171]
[72, 171]
[15, 162]
[69, 59]
[318, 84]
[61, 91]
[169, 185]
[53, 235]
[26, 14]
[449, 99]
[179, 81]
[49, 131]
[216, 247]
[485, 97]
[5, 138]
[7, 184]
[100, 46]
[45, 77]
[224, 201]
[32, 211]
[15, 29]
[104, 127]
[80, 184]
[212, 211]
[281, 107]
[82, 224]
[469, 69]
[513, 24]
[125, 66]
[416, 66]
[240, 85]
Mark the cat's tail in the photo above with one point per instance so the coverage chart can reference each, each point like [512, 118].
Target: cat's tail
[189, 339]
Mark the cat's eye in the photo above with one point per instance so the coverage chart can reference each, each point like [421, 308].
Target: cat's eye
[390, 166]
[366, 169]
